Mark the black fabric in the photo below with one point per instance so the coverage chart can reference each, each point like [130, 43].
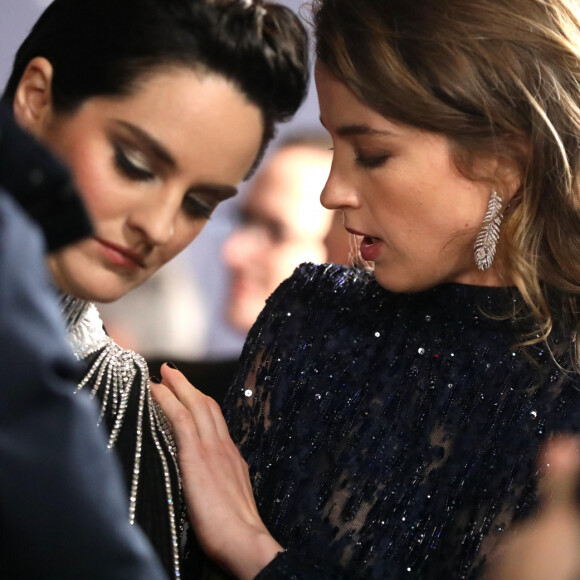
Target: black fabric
[211, 377]
[151, 511]
[62, 505]
[393, 435]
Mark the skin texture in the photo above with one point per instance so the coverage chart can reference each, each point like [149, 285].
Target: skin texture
[282, 225]
[150, 167]
[399, 186]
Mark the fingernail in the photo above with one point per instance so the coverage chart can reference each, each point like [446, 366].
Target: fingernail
[155, 379]
[171, 365]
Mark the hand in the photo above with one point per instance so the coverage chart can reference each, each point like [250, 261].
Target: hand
[216, 483]
[547, 547]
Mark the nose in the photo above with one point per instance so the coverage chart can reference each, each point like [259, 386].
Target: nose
[240, 248]
[339, 192]
[155, 218]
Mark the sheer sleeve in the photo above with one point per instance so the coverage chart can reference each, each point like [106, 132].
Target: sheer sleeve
[292, 565]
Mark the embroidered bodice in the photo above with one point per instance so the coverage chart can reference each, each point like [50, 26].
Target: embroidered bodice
[137, 428]
[392, 436]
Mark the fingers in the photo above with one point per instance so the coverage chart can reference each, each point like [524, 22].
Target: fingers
[177, 414]
[204, 410]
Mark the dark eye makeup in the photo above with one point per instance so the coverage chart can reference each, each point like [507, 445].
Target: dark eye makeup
[200, 202]
[129, 166]
[196, 207]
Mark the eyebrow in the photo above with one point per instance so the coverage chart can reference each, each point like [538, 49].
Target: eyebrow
[150, 142]
[359, 129]
[222, 192]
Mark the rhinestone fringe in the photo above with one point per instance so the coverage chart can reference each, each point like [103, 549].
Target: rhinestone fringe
[114, 373]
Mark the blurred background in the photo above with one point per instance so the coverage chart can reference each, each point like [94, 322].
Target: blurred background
[180, 314]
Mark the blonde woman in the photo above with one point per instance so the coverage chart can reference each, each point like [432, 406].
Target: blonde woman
[391, 419]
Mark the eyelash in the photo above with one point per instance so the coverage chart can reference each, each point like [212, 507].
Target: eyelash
[129, 169]
[195, 208]
[192, 206]
[373, 162]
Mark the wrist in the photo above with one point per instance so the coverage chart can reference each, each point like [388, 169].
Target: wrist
[253, 552]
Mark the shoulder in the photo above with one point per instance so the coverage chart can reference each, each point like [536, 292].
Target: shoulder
[91, 343]
[321, 283]
[313, 298]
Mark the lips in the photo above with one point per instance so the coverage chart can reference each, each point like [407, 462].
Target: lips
[369, 246]
[121, 256]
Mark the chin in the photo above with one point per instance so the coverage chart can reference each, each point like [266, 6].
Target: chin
[401, 284]
[94, 290]
[81, 276]
[102, 296]
[105, 298]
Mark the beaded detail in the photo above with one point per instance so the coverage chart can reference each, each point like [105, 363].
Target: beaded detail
[113, 374]
[393, 435]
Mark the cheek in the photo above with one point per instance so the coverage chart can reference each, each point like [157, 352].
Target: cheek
[96, 182]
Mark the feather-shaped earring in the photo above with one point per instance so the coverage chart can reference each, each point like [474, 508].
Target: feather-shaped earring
[486, 242]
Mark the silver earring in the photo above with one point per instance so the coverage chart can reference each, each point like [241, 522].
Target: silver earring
[486, 242]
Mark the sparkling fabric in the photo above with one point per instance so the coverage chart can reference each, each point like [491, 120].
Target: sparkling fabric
[138, 430]
[392, 435]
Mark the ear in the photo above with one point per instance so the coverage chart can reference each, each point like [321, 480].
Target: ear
[509, 171]
[33, 97]
[508, 176]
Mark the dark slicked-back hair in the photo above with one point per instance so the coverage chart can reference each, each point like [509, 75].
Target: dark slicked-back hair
[104, 47]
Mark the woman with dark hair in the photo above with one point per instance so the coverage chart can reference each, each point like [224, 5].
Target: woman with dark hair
[159, 108]
[391, 418]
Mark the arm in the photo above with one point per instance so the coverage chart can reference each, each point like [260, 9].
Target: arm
[218, 491]
[215, 477]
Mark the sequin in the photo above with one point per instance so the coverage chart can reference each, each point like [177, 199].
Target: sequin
[386, 475]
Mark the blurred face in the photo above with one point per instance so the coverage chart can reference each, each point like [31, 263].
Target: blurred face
[416, 216]
[282, 225]
[151, 167]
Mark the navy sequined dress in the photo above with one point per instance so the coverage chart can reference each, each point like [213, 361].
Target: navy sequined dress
[391, 435]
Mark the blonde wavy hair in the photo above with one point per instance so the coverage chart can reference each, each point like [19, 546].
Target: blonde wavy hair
[496, 77]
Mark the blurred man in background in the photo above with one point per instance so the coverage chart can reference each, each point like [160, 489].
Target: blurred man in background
[282, 224]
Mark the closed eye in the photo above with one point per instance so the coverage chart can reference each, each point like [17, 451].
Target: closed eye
[132, 164]
[371, 161]
[194, 206]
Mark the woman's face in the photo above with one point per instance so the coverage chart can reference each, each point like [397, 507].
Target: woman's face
[150, 167]
[399, 189]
